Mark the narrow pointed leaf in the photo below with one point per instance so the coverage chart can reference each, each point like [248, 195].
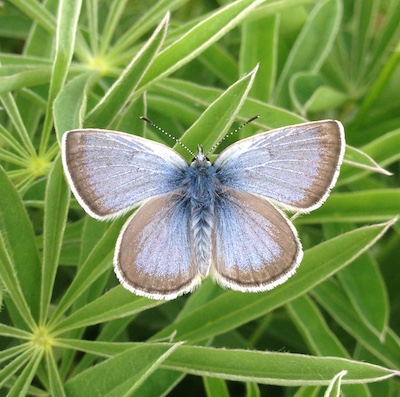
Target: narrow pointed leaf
[335, 302]
[116, 303]
[56, 386]
[215, 121]
[98, 262]
[103, 115]
[122, 373]
[67, 22]
[362, 206]
[259, 46]
[17, 249]
[335, 385]
[70, 105]
[311, 47]
[55, 218]
[196, 40]
[357, 158]
[272, 368]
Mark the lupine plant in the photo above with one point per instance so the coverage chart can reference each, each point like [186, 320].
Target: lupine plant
[198, 69]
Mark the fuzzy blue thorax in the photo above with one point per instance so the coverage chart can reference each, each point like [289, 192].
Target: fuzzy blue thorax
[202, 192]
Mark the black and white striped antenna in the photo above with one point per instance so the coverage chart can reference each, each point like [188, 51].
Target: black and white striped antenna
[179, 142]
[231, 133]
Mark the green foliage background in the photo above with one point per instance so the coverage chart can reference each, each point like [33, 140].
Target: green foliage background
[66, 327]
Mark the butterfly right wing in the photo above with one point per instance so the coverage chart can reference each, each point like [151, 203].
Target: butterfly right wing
[296, 166]
[110, 172]
[154, 255]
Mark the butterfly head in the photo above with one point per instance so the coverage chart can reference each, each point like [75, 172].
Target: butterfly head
[200, 161]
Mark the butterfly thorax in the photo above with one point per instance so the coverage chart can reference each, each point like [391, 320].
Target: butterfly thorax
[201, 192]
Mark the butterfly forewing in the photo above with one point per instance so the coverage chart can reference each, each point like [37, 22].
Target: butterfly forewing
[254, 246]
[295, 166]
[154, 257]
[110, 172]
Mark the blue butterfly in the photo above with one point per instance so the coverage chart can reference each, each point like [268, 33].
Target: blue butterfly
[222, 219]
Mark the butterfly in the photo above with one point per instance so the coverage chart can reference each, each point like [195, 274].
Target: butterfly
[223, 219]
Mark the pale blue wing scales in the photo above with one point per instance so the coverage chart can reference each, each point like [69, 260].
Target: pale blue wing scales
[153, 256]
[295, 166]
[254, 246]
[110, 172]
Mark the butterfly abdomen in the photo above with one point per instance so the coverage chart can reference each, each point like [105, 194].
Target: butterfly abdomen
[202, 195]
[201, 226]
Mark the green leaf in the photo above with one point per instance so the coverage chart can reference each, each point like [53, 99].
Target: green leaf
[121, 374]
[197, 39]
[111, 24]
[310, 93]
[40, 41]
[130, 120]
[365, 12]
[21, 385]
[6, 330]
[357, 158]
[231, 364]
[12, 368]
[217, 118]
[333, 299]
[315, 331]
[221, 64]
[252, 390]
[362, 206]
[98, 262]
[140, 27]
[116, 303]
[70, 104]
[215, 387]
[386, 38]
[10, 106]
[122, 90]
[365, 287]
[55, 218]
[311, 47]
[321, 340]
[383, 149]
[259, 46]
[186, 93]
[271, 368]
[68, 15]
[233, 309]
[335, 385]
[17, 81]
[56, 386]
[38, 13]
[17, 249]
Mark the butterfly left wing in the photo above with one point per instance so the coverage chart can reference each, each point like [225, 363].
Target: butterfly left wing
[110, 172]
[254, 246]
[295, 166]
[153, 256]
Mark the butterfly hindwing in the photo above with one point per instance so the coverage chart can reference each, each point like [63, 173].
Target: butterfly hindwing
[295, 166]
[110, 172]
[154, 256]
[254, 246]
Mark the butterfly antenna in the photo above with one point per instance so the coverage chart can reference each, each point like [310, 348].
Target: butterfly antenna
[167, 134]
[232, 132]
